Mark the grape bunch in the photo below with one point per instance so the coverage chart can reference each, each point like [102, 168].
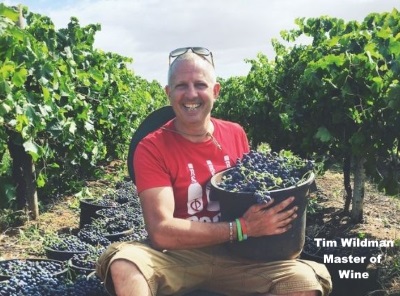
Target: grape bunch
[112, 225]
[86, 286]
[260, 173]
[105, 201]
[136, 218]
[31, 283]
[125, 192]
[130, 211]
[35, 266]
[93, 236]
[46, 284]
[67, 242]
[128, 208]
[139, 234]
[87, 261]
[31, 277]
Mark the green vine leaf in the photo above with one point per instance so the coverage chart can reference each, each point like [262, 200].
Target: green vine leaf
[323, 134]
[32, 149]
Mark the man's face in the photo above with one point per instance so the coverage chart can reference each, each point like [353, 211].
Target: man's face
[192, 91]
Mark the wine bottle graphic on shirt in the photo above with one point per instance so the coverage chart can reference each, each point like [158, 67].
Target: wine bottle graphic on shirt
[213, 206]
[195, 193]
[227, 161]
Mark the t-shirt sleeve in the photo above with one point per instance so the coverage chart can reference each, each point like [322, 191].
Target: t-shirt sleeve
[245, 141]
[241, 140]
[149, 166]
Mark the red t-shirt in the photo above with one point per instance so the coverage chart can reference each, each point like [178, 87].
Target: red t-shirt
[165, 158]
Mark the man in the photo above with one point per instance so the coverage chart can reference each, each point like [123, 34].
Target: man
[186, 250]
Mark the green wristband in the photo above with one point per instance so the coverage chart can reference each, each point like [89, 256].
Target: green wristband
[239, 230]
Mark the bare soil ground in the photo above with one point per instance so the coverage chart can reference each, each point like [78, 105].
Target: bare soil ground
[381, 222]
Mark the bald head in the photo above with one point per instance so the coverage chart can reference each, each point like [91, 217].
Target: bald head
[193, 58]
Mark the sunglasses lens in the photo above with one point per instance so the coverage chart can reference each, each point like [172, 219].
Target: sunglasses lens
[178, 52]
[201, 50]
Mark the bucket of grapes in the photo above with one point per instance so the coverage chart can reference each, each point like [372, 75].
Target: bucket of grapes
[89, 207]
[255, 178]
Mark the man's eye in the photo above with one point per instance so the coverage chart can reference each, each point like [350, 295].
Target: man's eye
[180, 86]
[201, 85]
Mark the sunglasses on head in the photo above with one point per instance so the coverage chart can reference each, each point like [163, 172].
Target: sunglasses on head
[201, 51]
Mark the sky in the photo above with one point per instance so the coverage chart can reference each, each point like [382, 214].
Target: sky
[234, 30]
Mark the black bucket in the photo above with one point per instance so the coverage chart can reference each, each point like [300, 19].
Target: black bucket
[79, 269]
[88, 209]
[272, 247]
[4, 279]
[61, 255]
[115, 237]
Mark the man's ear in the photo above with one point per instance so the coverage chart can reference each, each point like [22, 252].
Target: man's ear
[217, 88]
[167, 90]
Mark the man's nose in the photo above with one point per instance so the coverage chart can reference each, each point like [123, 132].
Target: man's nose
[191, 91]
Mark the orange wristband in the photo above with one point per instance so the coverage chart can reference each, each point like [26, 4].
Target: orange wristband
[244, 228]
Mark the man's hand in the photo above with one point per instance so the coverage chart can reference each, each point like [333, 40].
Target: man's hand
[269, 219]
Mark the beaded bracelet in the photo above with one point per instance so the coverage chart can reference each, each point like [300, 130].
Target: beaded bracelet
[239, 230]
[244, 228]
[231, 232]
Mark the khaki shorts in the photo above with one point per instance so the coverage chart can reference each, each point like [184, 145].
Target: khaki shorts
[181, 271]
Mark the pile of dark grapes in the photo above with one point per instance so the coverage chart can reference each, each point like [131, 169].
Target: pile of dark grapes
[104, 202]
[83, 263]
[113, 225]
[36, 266]
[123, 213]
[139, 234]
[93, 236]
[87, 261]
[125, 217]
[260, 173]
[45, 284]
[87, 286]
[125, 192]
[68, 243]
[127, 209]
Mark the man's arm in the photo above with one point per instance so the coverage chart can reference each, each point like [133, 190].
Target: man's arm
[167, 232]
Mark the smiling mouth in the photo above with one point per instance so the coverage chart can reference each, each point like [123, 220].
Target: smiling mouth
[191, 107]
